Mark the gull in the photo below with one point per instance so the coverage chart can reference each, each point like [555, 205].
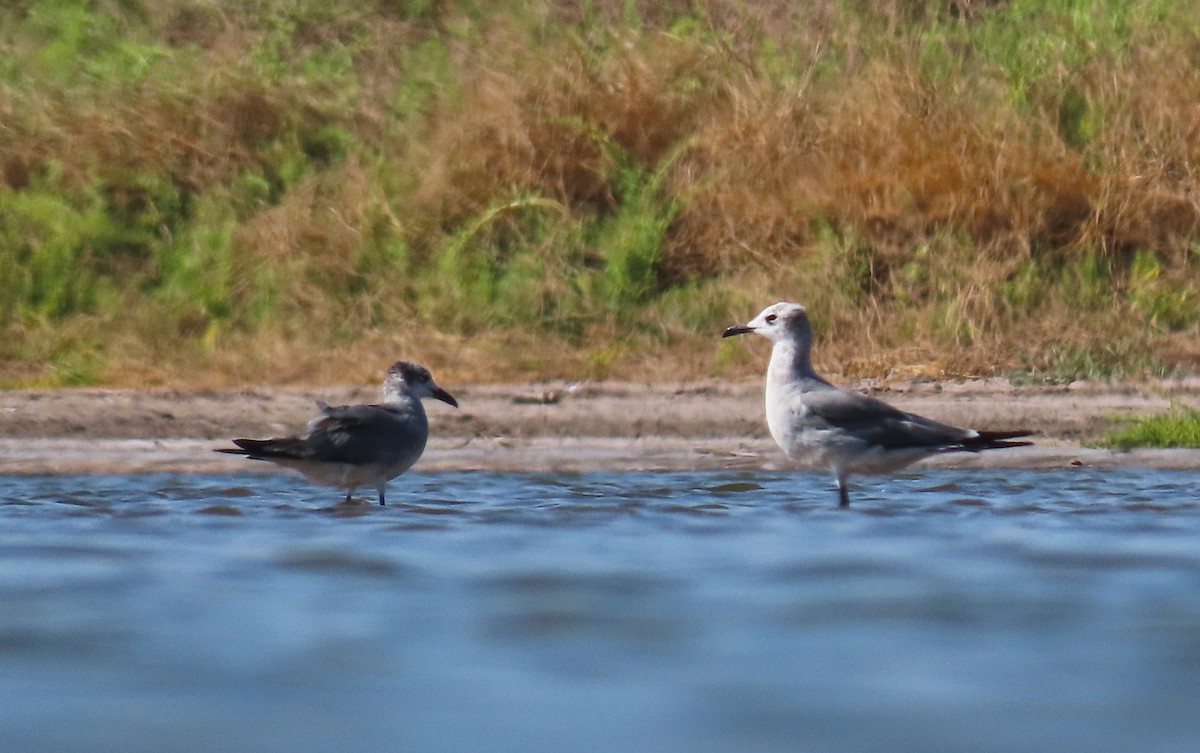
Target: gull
[348, 446]
[823, 426]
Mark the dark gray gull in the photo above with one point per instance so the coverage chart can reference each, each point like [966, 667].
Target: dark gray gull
[348, 446]
[823, 426]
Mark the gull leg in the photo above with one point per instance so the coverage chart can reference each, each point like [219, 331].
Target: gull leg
[347, 500]
[843, 490]
[381, 502]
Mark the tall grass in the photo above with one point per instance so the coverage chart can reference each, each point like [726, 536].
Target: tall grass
[215, 192]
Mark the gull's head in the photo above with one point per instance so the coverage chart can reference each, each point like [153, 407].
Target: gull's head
[414, 380]
[778, 322]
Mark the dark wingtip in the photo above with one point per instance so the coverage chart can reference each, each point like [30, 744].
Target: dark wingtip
[996, 436]
[999, 445]
[996, 440]
[252, 448]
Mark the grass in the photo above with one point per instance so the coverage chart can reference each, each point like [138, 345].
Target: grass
[1178, 427]
[204, 193]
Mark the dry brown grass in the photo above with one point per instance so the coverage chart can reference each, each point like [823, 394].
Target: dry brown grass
[935, 223]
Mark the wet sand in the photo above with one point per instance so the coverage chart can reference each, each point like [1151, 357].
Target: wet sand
[559, 426]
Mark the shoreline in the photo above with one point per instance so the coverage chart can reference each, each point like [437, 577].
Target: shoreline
[559, 426]
[31, 457]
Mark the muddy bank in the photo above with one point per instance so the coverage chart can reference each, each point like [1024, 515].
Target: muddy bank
[554, 425]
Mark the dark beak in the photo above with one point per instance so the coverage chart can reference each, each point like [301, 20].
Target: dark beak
[737, 329]
[445, 397]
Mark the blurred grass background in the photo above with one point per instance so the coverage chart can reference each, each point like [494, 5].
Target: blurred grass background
[208, 192]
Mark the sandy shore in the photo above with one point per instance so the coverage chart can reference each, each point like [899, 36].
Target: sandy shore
[557, 426]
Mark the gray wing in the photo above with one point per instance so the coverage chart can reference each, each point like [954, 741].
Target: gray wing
[879, 424]
[363, 433]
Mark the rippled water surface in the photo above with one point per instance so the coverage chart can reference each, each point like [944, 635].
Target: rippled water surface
[981, 611]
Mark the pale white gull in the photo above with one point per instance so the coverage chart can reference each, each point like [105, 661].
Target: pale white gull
[823, 426]
[348, 446]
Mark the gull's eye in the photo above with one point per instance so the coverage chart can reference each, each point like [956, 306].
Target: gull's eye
[771, 318]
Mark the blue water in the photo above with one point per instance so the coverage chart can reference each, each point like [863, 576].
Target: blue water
[690, 612]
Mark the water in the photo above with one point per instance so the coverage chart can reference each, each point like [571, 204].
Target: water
[983, 611]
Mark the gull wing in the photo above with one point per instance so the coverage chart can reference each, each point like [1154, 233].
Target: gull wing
[359, 434]
[879, 424]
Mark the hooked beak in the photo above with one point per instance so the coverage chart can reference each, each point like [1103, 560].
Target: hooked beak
[737, 329]
[440, 394]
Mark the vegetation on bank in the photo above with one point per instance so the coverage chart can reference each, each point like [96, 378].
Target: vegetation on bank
[1177, 427]
[217, 191]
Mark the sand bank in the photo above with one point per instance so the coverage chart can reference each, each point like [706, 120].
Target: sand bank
[557, 426]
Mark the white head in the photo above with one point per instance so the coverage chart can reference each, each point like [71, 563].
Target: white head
[779, 322]
[414, 380]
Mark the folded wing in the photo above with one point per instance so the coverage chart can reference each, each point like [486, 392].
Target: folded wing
[355, 434]
[881, 425]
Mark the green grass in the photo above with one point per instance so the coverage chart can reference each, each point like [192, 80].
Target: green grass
[225, 191]
[1178, 427]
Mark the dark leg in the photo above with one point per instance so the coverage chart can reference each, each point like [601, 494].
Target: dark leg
[843, 491]
[347, 500]
[381, 502]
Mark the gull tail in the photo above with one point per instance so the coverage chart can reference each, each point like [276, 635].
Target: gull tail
[994, 440]
[262, 449]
